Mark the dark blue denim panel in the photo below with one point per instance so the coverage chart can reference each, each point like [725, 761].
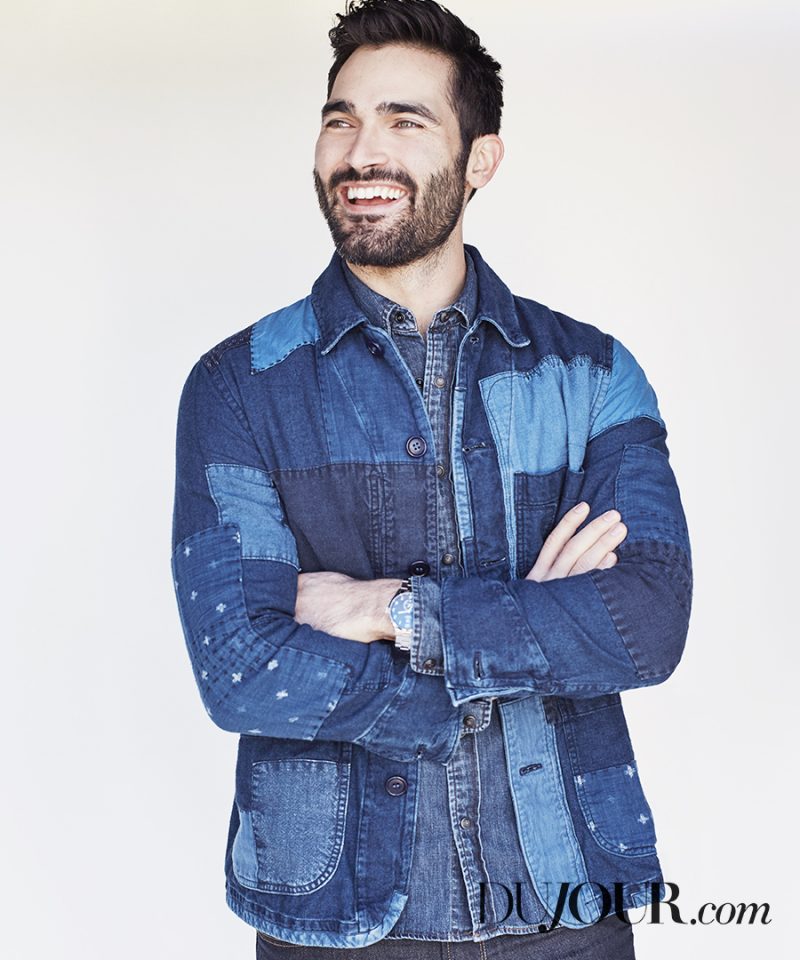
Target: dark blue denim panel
[635, 867]
[209, 431]
[537, 498]
[596, 729]
[650, 602]
[647, 496]
[605, 775]
[367, 521]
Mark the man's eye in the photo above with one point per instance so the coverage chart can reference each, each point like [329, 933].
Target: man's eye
[408, 125]
[337, 124]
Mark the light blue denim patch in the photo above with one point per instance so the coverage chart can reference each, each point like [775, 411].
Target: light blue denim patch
[247, 497]
[280, 333]
[291, 838]
[549, 843]
[540, 421]
[629, 395]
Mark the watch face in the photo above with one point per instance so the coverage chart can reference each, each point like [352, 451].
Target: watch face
[401, 612]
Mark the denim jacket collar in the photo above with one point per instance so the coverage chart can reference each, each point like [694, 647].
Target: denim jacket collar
[338, 311]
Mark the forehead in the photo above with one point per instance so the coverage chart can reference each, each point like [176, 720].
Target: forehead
[396, 72]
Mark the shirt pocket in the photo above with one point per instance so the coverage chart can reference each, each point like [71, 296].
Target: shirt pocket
[291, 831]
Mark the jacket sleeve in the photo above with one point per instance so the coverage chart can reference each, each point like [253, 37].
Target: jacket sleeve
[235, 570]
[590, 634]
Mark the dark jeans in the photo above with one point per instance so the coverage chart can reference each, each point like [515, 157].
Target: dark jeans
[610, 939]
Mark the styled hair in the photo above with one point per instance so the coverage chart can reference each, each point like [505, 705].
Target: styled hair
[476, 88]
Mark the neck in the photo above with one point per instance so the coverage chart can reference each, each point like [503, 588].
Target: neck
[425, 286]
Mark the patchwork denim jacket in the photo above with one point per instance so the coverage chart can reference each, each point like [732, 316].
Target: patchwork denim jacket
[304, 445]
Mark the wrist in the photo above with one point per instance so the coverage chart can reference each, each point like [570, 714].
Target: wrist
[384, 591]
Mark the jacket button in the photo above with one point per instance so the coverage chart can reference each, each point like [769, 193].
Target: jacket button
[439, 381]
[374, 348]
[440, 470]
[419, 568]
[465, 822]
[429, 664]
[416, 446]
[448, 558]
[470, 721]
[396, 786]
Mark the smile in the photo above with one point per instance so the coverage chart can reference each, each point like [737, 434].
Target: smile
[374, 195]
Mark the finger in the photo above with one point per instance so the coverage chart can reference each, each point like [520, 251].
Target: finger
[592, 557]
[608, 561]
[600, 529]
[555, 542]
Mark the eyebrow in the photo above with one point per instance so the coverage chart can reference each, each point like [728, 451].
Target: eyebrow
[385, 109]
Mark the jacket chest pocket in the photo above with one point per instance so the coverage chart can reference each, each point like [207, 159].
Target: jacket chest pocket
[291, 838]
[540, 499]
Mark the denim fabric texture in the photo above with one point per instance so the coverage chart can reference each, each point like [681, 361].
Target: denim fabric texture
[305, 443]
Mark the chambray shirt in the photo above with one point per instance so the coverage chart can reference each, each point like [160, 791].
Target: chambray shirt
[467, 848]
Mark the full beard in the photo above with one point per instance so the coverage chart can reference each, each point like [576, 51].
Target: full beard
[424, 225]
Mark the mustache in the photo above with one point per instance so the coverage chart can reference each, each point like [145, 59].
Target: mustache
[351, 175]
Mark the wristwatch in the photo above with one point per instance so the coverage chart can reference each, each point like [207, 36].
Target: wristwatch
[401, 613]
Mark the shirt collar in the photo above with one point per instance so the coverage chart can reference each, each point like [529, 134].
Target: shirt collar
[338, 311]
[384, 312]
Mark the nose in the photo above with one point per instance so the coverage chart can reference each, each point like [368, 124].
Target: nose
[367, 149]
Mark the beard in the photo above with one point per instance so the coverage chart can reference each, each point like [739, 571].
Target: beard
[430, 216]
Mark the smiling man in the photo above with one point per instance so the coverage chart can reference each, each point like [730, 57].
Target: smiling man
[401, 562]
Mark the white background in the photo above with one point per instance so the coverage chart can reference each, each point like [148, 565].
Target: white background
[157, 196]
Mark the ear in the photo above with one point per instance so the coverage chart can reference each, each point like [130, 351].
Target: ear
[484, 159]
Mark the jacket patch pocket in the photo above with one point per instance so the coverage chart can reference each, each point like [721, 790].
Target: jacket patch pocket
[536, 500]
[616, 811]
[296, 825]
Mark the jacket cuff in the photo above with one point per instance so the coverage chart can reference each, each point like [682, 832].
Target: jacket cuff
[426, 642]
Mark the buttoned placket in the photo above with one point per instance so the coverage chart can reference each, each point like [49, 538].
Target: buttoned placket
[432, 362]
[456, 789]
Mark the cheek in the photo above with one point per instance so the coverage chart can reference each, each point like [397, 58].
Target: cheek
[327, 157]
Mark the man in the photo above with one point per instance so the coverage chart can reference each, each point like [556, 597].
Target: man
[401, 564]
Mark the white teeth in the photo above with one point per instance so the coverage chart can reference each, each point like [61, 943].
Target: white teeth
[369, 193]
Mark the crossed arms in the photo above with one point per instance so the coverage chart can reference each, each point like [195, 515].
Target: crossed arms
[580, 625]
[356, 609]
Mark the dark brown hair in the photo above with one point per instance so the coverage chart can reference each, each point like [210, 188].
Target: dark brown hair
[476, 90]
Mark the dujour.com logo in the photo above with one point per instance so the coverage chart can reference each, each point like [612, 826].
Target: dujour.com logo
[661, 904]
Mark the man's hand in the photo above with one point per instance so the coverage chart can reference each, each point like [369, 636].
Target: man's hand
[566, 553]
[344, 607]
